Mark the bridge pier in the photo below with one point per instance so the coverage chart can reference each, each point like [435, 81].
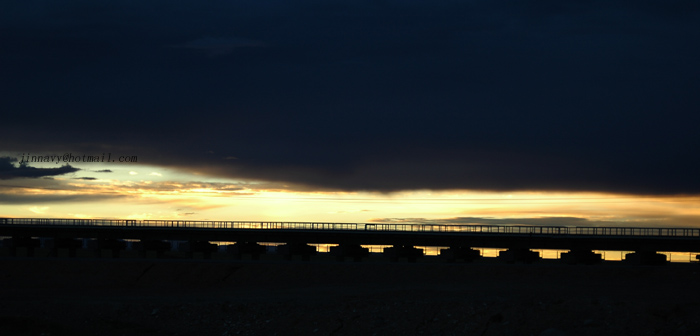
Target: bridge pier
[399, 252]
[131, 250]
[246, 250]
[106, 248]
[353, 251]
[43, 251]
[519, 254]
[21, 246]
[4, 247]
[88, 249]
[153, 249]
[460, 253]
[404, 238]
[581, 256]
[202, 249]
[645, 257]
[65, 247]
[291, 250]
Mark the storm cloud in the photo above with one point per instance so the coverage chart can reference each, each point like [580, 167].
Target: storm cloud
[9, 171]
[366, 95]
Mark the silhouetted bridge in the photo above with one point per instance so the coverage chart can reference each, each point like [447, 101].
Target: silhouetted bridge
[27, 235]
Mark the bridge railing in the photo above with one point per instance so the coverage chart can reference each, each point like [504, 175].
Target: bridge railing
[541, 230]
[385, 227]
[181, 224]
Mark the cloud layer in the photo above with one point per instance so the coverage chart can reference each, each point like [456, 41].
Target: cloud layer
[675, 221]
[366, 95]
[9, 171]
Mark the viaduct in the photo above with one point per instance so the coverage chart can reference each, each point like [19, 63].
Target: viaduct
[42, 237]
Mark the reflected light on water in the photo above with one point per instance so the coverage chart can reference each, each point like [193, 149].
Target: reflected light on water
[547, 254]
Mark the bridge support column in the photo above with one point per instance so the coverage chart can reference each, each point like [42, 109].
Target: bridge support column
[246, 250]
[460, 253]
[64, 247]
[107, 248]
[581, 256]
[519, 254]
[291, 250]
[399, 252]
[353, 251]
[153, 249]
[88, 249]
[645, 257]
[132, 250]
[202, 249]
[22, 246]
[45, 248]
[5, 247]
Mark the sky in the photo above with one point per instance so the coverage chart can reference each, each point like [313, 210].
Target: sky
[458, 112]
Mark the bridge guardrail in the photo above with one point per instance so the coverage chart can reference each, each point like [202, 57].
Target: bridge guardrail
[384, 227]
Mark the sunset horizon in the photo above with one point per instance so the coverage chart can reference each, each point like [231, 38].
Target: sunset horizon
[349, 167]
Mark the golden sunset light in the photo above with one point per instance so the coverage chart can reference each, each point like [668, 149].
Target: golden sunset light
[195, 196]
[349, 167]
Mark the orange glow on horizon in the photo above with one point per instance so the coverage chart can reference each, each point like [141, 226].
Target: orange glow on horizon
[170, 196]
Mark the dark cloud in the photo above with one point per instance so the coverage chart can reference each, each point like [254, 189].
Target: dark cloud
[103, 171]
[166, 186]
[367, 95]
[85, 178]
[637, 221]
[218, 46]
[9, 171]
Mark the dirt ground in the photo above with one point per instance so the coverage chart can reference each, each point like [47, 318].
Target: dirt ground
[161, 297]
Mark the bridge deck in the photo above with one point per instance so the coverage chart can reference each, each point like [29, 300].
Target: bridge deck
[544, 237]
[507, 229]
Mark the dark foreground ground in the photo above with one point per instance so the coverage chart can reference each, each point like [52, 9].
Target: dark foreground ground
[96, 297]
